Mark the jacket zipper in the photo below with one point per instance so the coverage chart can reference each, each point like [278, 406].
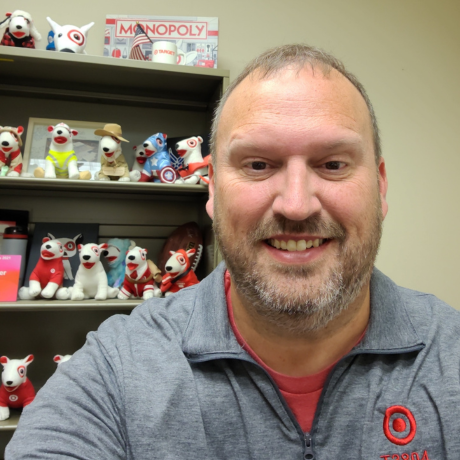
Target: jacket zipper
[308, 451]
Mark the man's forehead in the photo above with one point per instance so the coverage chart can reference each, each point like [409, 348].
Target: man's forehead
[302, 93]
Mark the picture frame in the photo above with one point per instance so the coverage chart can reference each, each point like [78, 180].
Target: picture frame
[86, 143]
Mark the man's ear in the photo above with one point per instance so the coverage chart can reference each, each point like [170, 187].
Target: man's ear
[210, 203]
[383, 186]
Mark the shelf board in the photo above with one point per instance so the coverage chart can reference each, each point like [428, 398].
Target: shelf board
[65, 305]
[66, 76]
[140, 188]
[11, 423]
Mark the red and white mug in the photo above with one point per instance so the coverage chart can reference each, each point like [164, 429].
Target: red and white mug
[164, 52]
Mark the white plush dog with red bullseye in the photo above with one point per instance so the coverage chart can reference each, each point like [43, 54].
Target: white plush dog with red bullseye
[91, 278]
[194, 169]
[140, 276]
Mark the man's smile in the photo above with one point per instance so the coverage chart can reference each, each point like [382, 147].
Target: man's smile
[290, 244]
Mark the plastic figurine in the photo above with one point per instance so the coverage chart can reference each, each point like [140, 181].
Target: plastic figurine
[48, 275]
[139, 161]
[194, 169]
[158, 166]
[61, 161]
[50, 46]
[141, 275]
[10, 154]
[59, 359]
[113, 163]
[91, 279]
[17, 390]
[70, 39]
[115, 256]
[179, 272]
[20, 30]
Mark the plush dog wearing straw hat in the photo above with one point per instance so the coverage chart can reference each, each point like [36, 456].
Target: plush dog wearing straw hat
[113, 163]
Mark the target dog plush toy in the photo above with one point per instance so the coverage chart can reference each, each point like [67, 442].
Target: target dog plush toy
[17, 390]
[59, 359]
[115, 256]
[179, 272]
[91, 279]
[113, 163]
[10, 153]
[70, 39]
[20, 30]
[140, 158]
[140, 277]
[194, 169]
[157, 167]
[61, 161]
[48, 275]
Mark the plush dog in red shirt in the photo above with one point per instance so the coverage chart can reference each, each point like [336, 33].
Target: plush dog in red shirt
[16, 391]
[179, 272]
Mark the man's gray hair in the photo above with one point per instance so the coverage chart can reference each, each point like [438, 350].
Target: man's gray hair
[297, 56]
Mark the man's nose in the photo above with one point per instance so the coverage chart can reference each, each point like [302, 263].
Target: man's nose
[296, 197]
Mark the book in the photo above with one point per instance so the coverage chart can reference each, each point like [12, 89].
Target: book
[70, 235]
[10, 267]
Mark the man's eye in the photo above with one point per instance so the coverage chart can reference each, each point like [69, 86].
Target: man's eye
[333, 165]
[258, 165]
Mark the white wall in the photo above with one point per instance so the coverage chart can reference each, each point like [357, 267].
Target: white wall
[406, 53]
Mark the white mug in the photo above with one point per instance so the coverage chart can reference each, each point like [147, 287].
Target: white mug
[167, 53]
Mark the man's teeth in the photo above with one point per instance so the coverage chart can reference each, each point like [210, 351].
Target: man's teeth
[292, 245]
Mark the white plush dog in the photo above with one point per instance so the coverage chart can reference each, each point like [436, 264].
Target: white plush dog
[140, 158]
[141, 275]
[10, 153]
[59, 359]
[21, 29]
[195, 168]
[91, 279]
[70, 39]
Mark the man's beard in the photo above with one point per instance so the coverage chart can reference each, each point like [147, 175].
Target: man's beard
[285, 295]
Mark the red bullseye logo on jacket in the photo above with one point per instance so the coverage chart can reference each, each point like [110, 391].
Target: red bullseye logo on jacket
[399, 425]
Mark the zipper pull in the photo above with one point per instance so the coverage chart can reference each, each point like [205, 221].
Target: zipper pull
[308, 452]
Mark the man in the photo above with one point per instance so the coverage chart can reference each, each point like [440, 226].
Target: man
[301, 349]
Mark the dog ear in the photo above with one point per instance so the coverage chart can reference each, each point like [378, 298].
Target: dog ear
[79, 247]
[190, 252]
[50, 128]
[78, 239]
[74, 132]
[28, 359]
[20, 130]
[46, 239]
[103, 246]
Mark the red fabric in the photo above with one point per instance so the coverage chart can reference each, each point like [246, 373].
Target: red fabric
[138, 289]
[14, 160]
[8, 40]
[47, 271]
[192, 167]
[301, 393]
[25, 394]
[171, 285]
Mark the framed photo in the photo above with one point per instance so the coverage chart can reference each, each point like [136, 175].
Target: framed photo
[85, 143]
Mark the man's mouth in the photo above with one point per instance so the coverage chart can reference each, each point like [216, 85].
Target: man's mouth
[296, 245]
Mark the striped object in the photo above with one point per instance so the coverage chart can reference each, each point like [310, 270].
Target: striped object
[140, 37]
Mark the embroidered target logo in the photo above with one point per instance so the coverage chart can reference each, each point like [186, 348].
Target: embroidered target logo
[399, 425]
[13, 398]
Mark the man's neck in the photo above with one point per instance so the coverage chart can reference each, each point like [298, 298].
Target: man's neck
[301, 355]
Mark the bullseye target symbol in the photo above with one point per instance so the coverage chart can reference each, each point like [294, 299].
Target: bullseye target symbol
[13, 398]
[399, 425]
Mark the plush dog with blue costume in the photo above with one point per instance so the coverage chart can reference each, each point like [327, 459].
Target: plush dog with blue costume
[115, 256]
[158, 166]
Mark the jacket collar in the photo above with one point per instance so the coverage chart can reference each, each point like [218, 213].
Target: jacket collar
[209, 334]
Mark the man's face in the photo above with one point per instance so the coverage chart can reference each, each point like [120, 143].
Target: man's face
[296, 196]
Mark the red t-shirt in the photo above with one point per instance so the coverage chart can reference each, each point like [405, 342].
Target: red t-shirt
[301, 393]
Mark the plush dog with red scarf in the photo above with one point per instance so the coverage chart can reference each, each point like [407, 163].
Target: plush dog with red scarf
[16, 391]
[48, 275]
[179, 272]
[10, 153]
[20, 30]
[194, 169]
[140, 276]
[91, 278]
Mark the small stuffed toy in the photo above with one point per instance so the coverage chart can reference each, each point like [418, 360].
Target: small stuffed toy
[48, 275]
[113, 163]
[20, 30]
[10, 154]
[115, 256]
[61, 161]
[179, 272]
[140, 277]
[139, 161]
[59, 359]
[70, 39]
[16, 391]
[194, 169]
[157, 167]
[91, 279]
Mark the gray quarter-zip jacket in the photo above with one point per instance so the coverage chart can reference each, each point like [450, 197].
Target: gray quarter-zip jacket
[170, 381]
